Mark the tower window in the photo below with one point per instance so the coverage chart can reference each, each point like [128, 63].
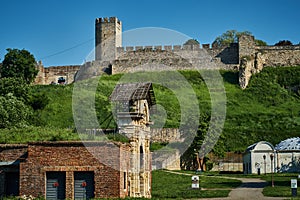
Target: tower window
[141, 157]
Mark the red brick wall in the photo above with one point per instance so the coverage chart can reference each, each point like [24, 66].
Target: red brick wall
[12, 152]
[71, 157]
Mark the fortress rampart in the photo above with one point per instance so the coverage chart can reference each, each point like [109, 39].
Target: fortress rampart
[48, 75]
[112, 58]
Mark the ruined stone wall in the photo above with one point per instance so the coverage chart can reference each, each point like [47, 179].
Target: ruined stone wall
[48, 75]
[70, 157]
[254, 58]
[277, 56]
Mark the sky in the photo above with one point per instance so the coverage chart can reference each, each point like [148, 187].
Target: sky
[62, 32]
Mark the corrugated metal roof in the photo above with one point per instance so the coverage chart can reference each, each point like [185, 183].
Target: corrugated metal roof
[289, 144]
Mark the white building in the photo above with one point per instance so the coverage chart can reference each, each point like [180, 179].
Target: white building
[259, 158]
[288, 155]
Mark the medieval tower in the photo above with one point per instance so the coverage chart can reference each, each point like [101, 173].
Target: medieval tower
[108, 36]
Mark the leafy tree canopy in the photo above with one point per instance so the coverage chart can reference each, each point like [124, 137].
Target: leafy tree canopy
[191, 42]
[260, 43]
[19, 63]
[284, 43]
[232, 36]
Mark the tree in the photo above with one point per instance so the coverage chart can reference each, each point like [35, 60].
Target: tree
[191, 42]
[260, 43]
[284, 43]
[232, 36]
[19, 63]
[195, 156]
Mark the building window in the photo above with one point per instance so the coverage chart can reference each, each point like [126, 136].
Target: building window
[141, 157]
[125, 180]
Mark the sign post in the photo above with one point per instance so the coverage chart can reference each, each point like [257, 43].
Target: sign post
[195, 182]
[294, 187]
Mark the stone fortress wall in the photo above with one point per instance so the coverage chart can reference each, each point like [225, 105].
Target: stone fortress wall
[112, 58]
[48, 75]
[176, 57]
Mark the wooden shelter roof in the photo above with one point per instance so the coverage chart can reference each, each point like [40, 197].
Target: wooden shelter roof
[133, 91]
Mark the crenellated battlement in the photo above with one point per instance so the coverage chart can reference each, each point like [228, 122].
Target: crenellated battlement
[107, 20]
[160, 48]
[111, 58]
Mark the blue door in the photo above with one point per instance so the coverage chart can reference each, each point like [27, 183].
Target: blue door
[56, 185]
[83, 185]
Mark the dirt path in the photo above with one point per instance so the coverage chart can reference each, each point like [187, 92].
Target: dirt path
[251, 188]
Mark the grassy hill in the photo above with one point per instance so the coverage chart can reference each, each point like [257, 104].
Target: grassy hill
[269, 109]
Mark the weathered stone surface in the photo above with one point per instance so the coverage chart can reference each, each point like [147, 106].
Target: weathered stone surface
[112, 58]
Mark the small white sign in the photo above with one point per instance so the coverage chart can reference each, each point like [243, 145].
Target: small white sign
[293, 183]
[195, 182]
[299, 176]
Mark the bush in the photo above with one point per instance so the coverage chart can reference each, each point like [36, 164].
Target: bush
[13, 112]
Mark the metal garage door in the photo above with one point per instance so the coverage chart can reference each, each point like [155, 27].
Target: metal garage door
[56, 185]
[12, 183]
[83, 185]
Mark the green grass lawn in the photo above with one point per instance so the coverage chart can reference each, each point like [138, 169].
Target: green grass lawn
[168, 185]
[282, 182]
[267, 110]
[282, 185]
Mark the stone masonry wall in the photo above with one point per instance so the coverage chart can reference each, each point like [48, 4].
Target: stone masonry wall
[48, 75]
[277, 56]
[165, 135]
[177, 57]
[71, 157]
[254, 58]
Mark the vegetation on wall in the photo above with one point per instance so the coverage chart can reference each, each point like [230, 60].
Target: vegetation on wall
[191, 42]
[232, 36]
[284, 43]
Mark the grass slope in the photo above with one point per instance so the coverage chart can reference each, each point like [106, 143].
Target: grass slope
[268, 109]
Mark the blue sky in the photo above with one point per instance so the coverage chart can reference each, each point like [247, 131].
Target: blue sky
[61, 32]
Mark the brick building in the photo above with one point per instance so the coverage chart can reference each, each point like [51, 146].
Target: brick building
[65, 170]
[87, 169]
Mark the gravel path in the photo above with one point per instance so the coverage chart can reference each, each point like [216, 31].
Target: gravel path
[251, 188]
